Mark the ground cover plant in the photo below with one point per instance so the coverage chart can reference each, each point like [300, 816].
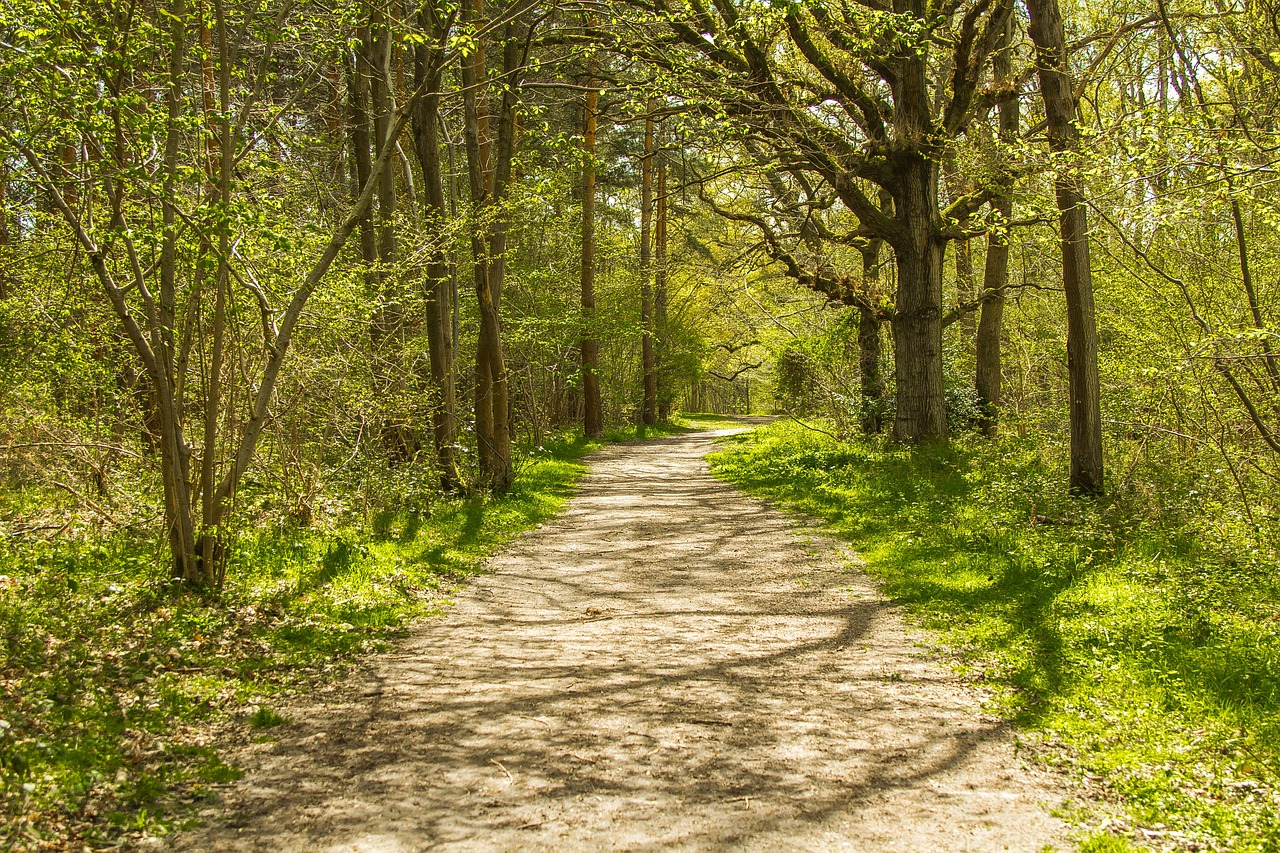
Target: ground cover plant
[1136, 640]
[119, 689]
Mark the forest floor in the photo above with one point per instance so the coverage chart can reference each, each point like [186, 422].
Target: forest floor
[667, 665]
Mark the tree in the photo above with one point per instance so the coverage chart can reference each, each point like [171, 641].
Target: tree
[1082, 334]
[489, 181]
[593, 416]
[428, 71]
[855, 95]
[648, 362]
[158, 308]
[995, 276]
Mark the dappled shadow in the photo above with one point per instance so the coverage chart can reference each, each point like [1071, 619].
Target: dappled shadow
[667, 665]
[871, 496]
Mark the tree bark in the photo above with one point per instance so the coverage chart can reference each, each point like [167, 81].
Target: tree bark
[1082, 335]
[648, 368]
[965, 289]
[917, 319]
[386, 329]
[995, 281]
[212, 553]
[175, 453]
[995, 278]
[660, 294]
[593, 415]
[872, 381]
[493, 434]
[6, 241]
[995, 275]
[426, 134]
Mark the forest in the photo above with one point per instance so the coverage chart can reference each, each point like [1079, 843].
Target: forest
[307, 309]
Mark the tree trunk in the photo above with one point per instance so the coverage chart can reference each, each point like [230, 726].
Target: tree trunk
[503, 473]
[872, 381]
[1082, 334]
[493, 434]
[386, 329]
[662, 390]
[426, 133]
[212, 553]
[475, 139]
[995, 276]
[649, 408]
[175, 453]
[965, 290]
[592, 419]
[6, 241]
[917, 319]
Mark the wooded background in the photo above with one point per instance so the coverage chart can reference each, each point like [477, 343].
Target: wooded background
[296, 260]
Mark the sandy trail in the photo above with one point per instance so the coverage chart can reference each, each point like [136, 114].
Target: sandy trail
[668, 665]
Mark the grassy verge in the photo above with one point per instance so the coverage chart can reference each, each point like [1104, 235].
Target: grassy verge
[117, 690]
[1141, 649]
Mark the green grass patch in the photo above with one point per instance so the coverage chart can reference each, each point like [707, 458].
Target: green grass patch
[1140, 649]
[116, 687]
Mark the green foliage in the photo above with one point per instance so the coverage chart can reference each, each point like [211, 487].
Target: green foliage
[1141, 650]
[796, 385]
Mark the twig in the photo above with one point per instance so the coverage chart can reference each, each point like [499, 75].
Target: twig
[830, 435]
[93, 506]
[503, 769]
[116, 448]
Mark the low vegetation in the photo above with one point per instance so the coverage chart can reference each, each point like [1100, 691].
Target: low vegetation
[1136, 639]
[118, 691]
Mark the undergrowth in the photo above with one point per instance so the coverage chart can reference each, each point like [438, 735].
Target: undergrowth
[1137, 638]
[119, 690]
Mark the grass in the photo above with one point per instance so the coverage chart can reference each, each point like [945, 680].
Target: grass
[117, 689]
[1141, 650]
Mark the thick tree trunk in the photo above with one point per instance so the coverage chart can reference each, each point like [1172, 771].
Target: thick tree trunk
[593, 415]
[648, 368]
[917, 319]
[1082, 334]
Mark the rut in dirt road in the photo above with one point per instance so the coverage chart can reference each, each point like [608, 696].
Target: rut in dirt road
[668, 665]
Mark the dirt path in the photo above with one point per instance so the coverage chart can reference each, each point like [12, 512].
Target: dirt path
[669, 665]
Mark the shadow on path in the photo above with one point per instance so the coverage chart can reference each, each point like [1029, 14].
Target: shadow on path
[669, 665]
